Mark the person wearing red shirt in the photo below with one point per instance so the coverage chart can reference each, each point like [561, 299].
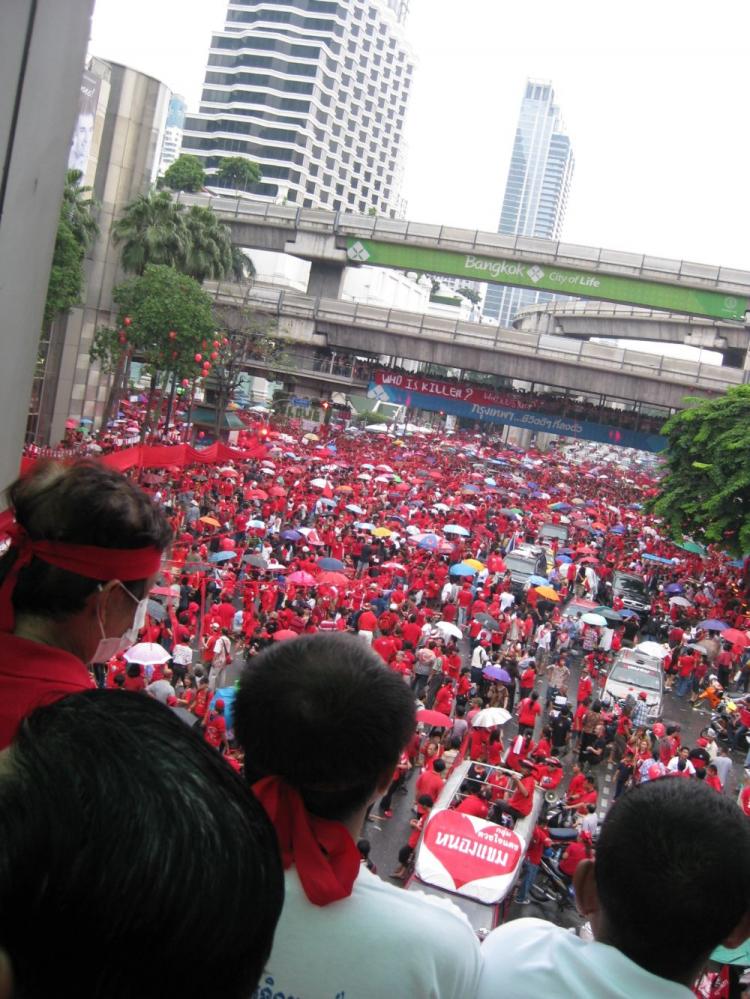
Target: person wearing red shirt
[386, 647]
[464, 600]
[367, 624]
[521, 801]
[215, 731]
[712, 778]
[475, 804]
[585, 686]
[444, 698]
[579, 850]
[431, 781]
[134, 678]
[538, 844]
[527, 681]
[411, 631]
[744, 798]
[479, 740]
[528, 711]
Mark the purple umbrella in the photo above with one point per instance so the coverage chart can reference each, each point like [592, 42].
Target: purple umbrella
[496, 673]
[713, 625]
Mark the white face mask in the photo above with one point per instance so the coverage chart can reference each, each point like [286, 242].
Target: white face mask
[109, 647]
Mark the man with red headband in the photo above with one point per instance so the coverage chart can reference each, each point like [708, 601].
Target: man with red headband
[86, 546]
[322, 721]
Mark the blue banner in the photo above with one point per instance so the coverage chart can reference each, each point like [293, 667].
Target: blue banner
[525, 419]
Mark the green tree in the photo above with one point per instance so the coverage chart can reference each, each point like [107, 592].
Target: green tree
[164, 319]
[185, 174]
[208, 254]
[238, 173]
[76, 231]
[471, 294]
[705, 493]
[151, 231]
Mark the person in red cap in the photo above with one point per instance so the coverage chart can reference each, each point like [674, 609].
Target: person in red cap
[86, 546]
[215, 730]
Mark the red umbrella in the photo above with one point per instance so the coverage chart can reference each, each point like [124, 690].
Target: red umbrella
[260, 494]
[301, 578]
[435, 718]
[276, 491]
[734, 636]
[332, 579]
[284, 634]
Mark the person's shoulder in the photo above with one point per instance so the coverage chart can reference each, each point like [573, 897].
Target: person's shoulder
[428, 912]
[502, 945]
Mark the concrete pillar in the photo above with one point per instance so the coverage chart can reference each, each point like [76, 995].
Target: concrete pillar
[42, 49]
[326, 278]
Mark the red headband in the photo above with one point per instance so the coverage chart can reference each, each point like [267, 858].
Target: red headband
[323, 851]
[90, 561]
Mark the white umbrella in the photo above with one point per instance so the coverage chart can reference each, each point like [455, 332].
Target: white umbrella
[448, 628]
[652, 649]
[377, 428]
[489, 717]
[147, 654]
[595, 619]
[680, 601]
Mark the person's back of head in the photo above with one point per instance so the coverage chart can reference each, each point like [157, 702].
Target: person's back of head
[668, 842]
[110, 811]
[324, 713]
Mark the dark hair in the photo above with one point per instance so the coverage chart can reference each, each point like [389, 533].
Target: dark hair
[692, 831]
[438, 766]
[325, 713]
[84, 503]
[109, 807]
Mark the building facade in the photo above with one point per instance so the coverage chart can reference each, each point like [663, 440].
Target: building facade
[170, 146]
[314, 91]
[536, 191]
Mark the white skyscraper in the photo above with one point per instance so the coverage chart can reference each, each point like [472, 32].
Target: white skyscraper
[536, 192]
[170, 146]
[316, 93]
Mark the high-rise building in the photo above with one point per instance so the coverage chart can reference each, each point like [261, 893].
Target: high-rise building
[316, 93]
[536, 192]
[170, 144]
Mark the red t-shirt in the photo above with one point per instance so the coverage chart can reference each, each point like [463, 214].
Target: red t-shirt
[367, 621]
[430, 783]
[32, 674]
[745, 800]
[474, 805]
[574, 854]
[523, 805]
[528, 711]
[216, 730]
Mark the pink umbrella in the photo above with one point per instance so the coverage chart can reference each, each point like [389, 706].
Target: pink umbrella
[302, 578]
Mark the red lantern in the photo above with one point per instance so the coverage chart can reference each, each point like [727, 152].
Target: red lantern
[127, 321]
[201, 435]
[204, 344]
[186, 382]
[198, 358]
[216, 344]
[122, 338]
[225, 341]
[214, 355]
[172, 335]
[174, 354]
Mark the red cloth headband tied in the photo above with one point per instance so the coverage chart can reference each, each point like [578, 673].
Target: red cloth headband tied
[323, 851]
[84, 560]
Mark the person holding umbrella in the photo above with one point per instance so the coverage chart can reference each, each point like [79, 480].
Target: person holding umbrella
[86, 547]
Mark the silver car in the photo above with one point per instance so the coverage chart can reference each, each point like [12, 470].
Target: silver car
[633, 672]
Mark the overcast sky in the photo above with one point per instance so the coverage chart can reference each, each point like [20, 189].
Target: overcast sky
[654, 95]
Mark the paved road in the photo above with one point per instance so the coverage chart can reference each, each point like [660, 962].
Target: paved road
[387, 836]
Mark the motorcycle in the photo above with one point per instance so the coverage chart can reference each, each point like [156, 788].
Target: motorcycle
[551, 885]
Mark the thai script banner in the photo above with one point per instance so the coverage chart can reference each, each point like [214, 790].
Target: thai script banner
[473, 402]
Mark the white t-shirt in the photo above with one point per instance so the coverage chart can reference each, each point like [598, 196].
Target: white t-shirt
[380, 943]
[529, 958]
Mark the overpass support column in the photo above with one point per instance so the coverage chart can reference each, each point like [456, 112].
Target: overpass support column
[325, 279]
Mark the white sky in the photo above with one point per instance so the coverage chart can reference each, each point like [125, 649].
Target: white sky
[654, 95]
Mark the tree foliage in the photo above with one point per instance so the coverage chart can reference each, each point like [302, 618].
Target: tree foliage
[169, 318]
[471, 293]
[76, 231]
[185, 174]
[238, 173]
[706, 491]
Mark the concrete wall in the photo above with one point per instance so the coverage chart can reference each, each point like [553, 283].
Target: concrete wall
[42, 50]
[134, 115]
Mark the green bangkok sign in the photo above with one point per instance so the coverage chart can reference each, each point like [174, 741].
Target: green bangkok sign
[544, 277]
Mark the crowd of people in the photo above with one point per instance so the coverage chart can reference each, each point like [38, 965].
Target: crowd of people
[355, 583]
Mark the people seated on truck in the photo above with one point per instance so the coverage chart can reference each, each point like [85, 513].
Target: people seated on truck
[474, 802]
[675, 841]
[520, 801]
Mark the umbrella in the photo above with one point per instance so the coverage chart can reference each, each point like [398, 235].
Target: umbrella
[394, 566]
[609, 612]
[301, 578]
[674, 588]
[680, 601]
[487, 621]
[448, 628]
[331, 564]
[461, 569]
[222, 556]
[547, 593]
[596, 619]
[561, 507]
[211, 521]
[490, 717]
[228, 471]
[257, 561]
[381, 532]
[147, 654]
[319, 483]
[474, 563]
[691, 546]
[713, 625]
[434, 718]
[156, 610]
[260, 494]
[657, 558]
[627, 612]
[456, 529]
[290, 535]
[344, 489]
[353, 508]
[277, 491]
[428, 541]
[652, 649]
[496, 673]
[364, 525]
[284, 634]
[441, 507]
[256, 524]
[735, 636]
[332, 579]
[538, 580]
[311, 437]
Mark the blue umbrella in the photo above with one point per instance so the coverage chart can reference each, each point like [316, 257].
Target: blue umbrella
[364, 525]
[561, 507]
[327, 501]
[290, 535]
[627, 612]
[490, 482]
[713, 625]
[657, 558]
[256, 523]
[429, 542]
[496, 673]
[331, 564]
[456, 529]
[538, 580]
[563, 558]
[221, 556]
[617, 529]
[353, 508]
[674, 588]
[459, 569]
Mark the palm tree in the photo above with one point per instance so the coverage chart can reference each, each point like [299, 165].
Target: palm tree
[152, 230]
[243, 268]
[78, 209]
[208, 253]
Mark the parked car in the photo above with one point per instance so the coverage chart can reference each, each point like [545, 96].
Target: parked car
[631, 589]
[473, 862]
[523, 562]
[633, 672]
